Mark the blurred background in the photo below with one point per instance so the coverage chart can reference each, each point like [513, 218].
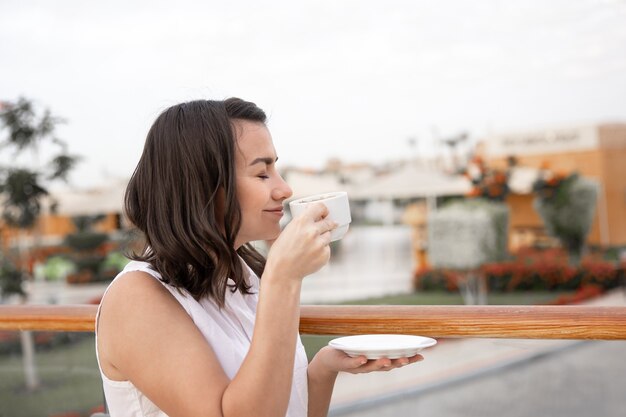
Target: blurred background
[481, 145]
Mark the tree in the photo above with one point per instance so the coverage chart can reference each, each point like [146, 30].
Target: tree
[463, 236]
[22, 187]
[84, 244]
[566, 205]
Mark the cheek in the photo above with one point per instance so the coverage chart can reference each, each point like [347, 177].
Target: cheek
[250, 210]
[242, 195]
[251, 195]
[247, 205]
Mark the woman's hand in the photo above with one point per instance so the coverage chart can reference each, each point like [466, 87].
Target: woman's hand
[302, 247]
[328, 362]
[333, 360]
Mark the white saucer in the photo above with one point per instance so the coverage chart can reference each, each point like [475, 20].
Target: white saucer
[375, 346]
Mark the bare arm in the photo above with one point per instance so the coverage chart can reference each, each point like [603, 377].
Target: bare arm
[325, 366]
[266, 374]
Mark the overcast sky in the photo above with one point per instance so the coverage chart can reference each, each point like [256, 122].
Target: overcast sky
[347, 79]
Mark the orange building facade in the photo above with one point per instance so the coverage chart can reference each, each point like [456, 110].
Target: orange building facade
[51, 230]
[596, 152]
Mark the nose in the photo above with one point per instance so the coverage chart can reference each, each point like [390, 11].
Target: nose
[282, 190]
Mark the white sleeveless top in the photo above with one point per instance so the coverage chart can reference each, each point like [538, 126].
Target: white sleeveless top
[228, 331]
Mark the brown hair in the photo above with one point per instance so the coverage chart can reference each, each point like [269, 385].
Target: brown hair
[174, 197]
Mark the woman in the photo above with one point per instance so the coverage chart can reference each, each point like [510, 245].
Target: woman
[188, 328]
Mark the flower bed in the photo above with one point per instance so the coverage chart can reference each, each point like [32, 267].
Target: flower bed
[530, 269]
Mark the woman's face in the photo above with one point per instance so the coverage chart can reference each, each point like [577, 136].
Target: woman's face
[261, 191]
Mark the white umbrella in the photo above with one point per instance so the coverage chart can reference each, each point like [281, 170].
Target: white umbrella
[107, 199]
[413, 182]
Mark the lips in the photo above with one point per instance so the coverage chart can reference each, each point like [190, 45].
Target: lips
[277, 210]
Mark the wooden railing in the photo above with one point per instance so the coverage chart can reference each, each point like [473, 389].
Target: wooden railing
[519, 322]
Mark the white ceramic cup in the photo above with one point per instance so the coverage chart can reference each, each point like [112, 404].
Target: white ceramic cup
[338, 210]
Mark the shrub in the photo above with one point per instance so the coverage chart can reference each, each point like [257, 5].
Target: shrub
[566, 205]
[56, 268]
[463, 235]
[436, 280]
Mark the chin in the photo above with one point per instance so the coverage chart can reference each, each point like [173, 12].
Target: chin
[274, 235]
[267, 235]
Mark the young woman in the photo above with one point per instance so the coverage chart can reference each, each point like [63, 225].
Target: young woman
[199, 323]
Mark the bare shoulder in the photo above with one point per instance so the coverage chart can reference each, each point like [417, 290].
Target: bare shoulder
[146, 337]
[133, 286]
[136, 309]
[135, 294]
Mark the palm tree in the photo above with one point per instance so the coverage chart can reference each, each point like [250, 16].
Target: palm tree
[21, 190]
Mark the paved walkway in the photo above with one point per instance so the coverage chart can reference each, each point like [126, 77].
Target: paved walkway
[450, 362]
[583, 380]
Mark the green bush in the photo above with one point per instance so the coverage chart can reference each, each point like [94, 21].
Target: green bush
[566, 206]
[115, 260]
[85, 241]
[10, 278]
[57, 268]
[465, 234]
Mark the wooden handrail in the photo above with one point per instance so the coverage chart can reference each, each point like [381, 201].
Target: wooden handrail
[518, 322]
[69, 318]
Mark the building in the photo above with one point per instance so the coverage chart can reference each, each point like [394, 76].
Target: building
[58, 211]
[597, 152]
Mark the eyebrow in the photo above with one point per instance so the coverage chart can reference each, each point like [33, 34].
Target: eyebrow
[266, 160]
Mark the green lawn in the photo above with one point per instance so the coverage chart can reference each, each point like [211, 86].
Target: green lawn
[447, 298]
[71, 381]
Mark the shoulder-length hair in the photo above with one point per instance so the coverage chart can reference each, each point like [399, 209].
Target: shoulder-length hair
[182, 196]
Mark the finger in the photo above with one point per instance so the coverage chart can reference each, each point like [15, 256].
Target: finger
[382, 364]
[316, 211]
[416, 358]
[326, 225]
[400, 362]
[326, 238]
[386, 364]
